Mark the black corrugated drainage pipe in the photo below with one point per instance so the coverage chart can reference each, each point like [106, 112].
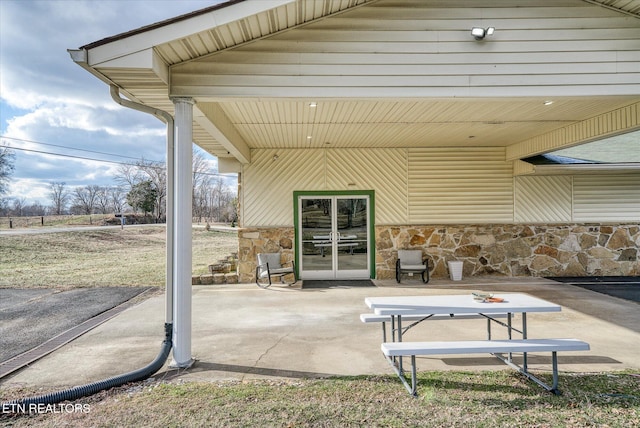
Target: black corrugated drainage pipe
[93, 388]
[143, 373]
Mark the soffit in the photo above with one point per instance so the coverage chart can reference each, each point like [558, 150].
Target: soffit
[356, 123]
[407, 123]
[631, 7]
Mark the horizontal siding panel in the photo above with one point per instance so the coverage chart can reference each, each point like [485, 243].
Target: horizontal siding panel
[468, 185]
[262, 69]
[339, 35]
[543, 199]
[607, 198]
[377, 50]
[389, 81]
[398, 59]
[518, 24]
[468, 45]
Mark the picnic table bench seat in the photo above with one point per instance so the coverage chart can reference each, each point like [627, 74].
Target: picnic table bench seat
[412, 349]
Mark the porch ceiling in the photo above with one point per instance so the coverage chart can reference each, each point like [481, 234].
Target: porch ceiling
[336, 122]
[407, 123]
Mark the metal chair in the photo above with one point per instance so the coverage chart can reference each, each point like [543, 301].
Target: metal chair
[269, 265]
[411, 261]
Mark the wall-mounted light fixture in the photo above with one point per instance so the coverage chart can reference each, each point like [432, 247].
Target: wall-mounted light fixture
[480, 33]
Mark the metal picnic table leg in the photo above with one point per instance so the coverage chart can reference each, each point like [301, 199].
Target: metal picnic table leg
[400, 340]
[509, 329]
[524, 336]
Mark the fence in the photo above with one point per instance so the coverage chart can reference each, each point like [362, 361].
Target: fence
[13, 222]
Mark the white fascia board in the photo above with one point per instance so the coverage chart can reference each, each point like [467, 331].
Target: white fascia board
[181, 29]
[146, 59]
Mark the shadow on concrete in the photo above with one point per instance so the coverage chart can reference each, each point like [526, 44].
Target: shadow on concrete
[532, 359]
[204, 366]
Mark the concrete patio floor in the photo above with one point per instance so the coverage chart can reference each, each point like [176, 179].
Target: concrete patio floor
[241, 331]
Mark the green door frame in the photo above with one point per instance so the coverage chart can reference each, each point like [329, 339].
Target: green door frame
[321, 193]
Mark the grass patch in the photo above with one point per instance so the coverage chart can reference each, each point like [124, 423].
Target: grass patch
[453, 399]
[135, 256]
[110, 257]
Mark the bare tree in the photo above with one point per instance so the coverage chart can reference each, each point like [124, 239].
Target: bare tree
[201, 183]
[6, 168]
[59, 197]
[209, 194]
[117, 198]
[102, 204]
[128, 176]
[35, 209]
[19, 205]
[85, 198]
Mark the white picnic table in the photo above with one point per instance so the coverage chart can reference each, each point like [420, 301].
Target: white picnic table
[421, 308]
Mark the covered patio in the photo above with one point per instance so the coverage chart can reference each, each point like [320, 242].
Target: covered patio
[405, 108]
[243, 332]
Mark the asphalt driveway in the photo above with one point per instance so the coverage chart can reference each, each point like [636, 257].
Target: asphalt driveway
[30, 317]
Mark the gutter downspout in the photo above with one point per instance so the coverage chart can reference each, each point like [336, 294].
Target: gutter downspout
[168, 119]
[16, 406]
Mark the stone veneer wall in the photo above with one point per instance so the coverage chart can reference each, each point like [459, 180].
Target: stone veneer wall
[262, 240]
[507, 249]
[516, 250]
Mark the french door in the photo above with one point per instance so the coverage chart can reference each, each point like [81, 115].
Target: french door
[334, 236]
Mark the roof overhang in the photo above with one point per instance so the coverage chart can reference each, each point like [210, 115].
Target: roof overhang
[254, 67]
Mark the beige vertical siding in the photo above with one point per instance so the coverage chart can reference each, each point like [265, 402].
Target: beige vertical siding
[607, 198]
[463, 185]
[543, 199]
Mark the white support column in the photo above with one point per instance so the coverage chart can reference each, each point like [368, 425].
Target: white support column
[182, 232]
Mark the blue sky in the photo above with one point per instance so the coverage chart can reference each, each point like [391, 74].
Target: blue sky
[50, 104]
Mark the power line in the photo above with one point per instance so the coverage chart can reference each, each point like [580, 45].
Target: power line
[102, 160]
[67, 156]
[70, 148]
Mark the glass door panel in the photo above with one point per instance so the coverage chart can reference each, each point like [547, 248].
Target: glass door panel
[316, 233]
[352, 244]
[334, 237]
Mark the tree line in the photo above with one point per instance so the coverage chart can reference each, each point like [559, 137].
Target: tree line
[138, 188]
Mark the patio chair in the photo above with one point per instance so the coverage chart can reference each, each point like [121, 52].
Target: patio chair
[410, 261]
[269, 265]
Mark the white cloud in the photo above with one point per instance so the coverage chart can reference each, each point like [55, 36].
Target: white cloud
[45, 97]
